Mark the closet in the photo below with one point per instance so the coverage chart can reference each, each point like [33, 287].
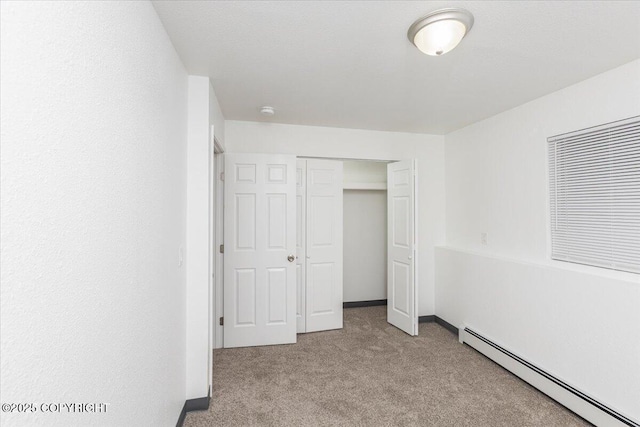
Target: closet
[284, 257]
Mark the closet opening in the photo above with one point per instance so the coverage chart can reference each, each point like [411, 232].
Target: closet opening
[359, 216]
[306, 237]
[365, 233]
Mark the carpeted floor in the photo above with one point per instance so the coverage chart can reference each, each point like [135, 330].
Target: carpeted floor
[372, 374]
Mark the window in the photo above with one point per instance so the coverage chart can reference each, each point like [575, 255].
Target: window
[594, 176]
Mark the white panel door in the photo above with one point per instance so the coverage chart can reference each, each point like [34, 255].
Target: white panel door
[259, 258]
[301, 228]
[402, 292]
[324, 245]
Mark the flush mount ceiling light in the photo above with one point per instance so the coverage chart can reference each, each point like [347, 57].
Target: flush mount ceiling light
[439, 32]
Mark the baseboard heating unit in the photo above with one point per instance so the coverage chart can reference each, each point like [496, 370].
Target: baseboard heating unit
[583, 405]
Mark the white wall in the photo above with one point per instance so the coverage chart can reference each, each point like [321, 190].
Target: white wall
[365, 244]
[93, 169]
[216, 118]
[313, 141]
[581, 323]
[198, 323]
[204, 115]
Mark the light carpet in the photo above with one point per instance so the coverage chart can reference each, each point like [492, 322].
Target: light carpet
[372, 374]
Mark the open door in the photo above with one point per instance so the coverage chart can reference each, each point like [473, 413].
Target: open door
[402, 292]
[324, 245]
[259, 250]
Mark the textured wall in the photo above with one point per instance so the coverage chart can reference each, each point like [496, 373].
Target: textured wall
[580, 323]
[496, 170]
[93, 175]
[199, 296]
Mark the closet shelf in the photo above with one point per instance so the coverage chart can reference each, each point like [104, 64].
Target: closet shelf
[364, 186]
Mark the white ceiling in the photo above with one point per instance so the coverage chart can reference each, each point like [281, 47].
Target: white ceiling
[350, 64]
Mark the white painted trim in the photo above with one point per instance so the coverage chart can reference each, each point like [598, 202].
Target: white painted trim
[215, 263]
[219, 240]
[558, 393]
[212, 263]
[416, 258]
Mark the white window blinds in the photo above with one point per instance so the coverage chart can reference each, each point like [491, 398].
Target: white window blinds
[595, 195]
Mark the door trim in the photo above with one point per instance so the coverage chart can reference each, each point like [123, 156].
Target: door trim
[218, 225]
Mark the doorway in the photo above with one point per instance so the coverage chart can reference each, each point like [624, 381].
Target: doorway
[365, 233]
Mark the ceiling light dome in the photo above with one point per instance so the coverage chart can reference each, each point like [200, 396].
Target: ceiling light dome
[439, 32]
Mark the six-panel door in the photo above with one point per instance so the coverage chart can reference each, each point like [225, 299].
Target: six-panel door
[260, 247]
[324, 293]
[402, 300]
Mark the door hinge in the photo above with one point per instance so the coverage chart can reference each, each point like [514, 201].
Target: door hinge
[221, 176]
[221, 249]
[222, 321]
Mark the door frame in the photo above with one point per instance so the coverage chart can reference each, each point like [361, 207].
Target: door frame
[216, 234]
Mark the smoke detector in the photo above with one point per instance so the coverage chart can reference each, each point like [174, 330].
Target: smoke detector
[267, 111]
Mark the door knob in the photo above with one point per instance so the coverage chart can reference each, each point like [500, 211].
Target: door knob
[291, 258]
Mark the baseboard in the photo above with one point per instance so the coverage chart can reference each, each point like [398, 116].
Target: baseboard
[183, 415]
[199, 404]
[440, 321]
[563, 393]
[371, 303]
